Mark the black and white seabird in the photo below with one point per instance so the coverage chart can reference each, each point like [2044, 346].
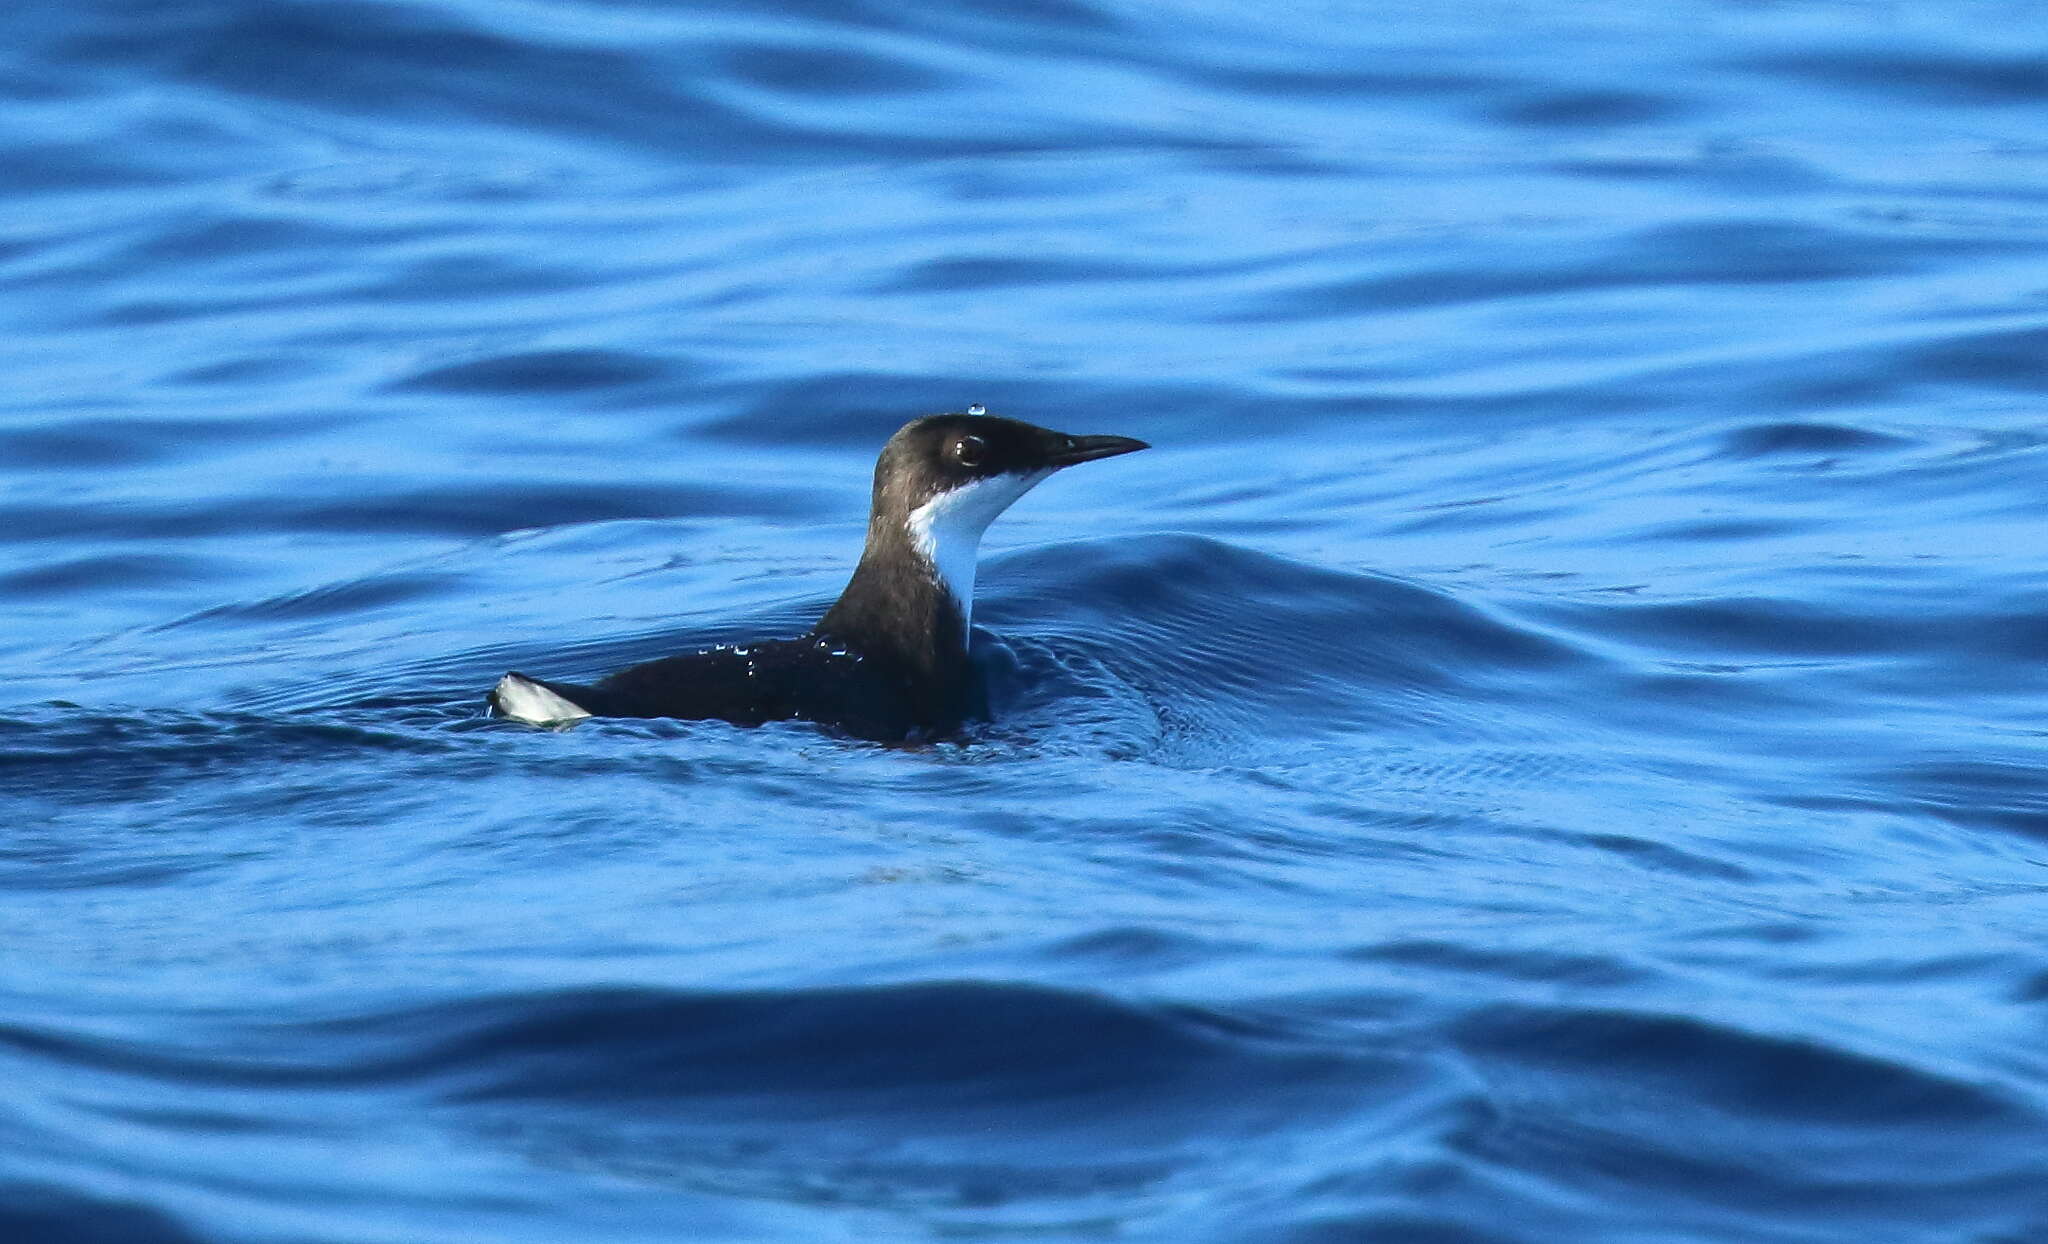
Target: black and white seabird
[888, 661]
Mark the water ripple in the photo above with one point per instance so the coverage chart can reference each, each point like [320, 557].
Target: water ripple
[1546, 747]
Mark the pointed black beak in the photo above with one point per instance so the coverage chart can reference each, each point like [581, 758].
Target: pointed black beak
[1068, 450]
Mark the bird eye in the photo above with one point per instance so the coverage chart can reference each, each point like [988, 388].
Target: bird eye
[967, 451]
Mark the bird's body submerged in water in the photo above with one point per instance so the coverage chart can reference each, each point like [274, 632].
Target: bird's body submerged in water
[889, 660]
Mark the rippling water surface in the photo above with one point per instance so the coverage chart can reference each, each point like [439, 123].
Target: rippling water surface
[1548, 747]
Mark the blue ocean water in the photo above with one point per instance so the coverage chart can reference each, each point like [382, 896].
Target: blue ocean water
[1549, 746]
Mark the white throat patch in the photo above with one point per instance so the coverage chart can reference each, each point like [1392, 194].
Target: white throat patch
[947, 529]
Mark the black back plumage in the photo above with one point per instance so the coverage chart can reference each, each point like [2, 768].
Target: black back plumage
[810, 678]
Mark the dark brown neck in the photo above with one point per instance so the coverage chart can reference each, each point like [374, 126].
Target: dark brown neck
[895, 610]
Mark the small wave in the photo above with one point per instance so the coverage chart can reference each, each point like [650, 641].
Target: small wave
[953, 1045]
[1992, 791]
[1712, 1082]
[2008, 358]
[99, 757]
[544, 373]
[46, 1214]
[1955, 78]
[948, 1046]
[1250, 645]
[903, 1094]
[1772, 440]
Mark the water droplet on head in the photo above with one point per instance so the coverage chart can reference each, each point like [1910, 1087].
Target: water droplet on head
[977, 409]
